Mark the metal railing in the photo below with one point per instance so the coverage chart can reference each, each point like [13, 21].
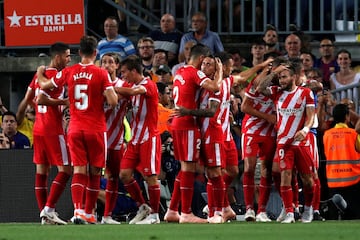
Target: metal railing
[241, 17]
[351, 92]
[251, 17]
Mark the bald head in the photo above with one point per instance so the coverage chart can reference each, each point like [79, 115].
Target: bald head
[293, 45]
[167, 23]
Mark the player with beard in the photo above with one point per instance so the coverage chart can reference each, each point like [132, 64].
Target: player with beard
[295, 109]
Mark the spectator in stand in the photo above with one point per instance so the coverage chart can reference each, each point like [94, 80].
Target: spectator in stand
[346, 76]
[25, 116]
[271, 39]
[9, 126]
[292, 46]
[163, 107]
[327, 62]
[201, 34]
[4, 141]
[160, 58]
[307, 60]
[239, 61]
[146, 52]
[184, 56]
[114, 42]
[258, 48]
[167, 37]
[164, 74]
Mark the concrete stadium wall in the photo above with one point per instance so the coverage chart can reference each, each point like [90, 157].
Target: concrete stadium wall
[17, 196]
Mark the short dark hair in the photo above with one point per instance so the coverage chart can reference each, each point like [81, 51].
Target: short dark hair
[339, 113]
[223, 56]
[8, 113]
[58, 48]
[133, 62]
[88, 45]
[114, 55]
[258, 42]
[200, 49]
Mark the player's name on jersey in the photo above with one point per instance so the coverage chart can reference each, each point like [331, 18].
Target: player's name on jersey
[82, 75]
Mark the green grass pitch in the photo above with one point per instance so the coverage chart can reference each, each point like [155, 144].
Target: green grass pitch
[329, 230]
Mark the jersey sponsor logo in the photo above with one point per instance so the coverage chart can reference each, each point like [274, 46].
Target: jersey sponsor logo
[180, 79]
[201, 74]
[48, 22]
[290, 111]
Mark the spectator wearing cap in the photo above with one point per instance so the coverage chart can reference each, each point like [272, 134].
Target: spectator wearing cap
[167, 37]
[164, 74]
[160, 58]
[164, 107]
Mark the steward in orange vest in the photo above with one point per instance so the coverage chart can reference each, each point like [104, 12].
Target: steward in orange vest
[342, 151]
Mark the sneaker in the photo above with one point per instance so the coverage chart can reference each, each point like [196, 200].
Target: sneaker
[307, 215]
[282, 215]
[250, 215]
[191, 218]
[171, 216]
[52, 216]
[108, 220]
[142, 213]
[91, 219]
[217, 218]
[318, 217]
[262, 217]
[205, 210]
[289, 218]
[45, 221]
[150, 219]
[81, 218]
[228, 214]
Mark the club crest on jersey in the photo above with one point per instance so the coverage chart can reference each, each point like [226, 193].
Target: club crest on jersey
[59, 74]
[299, 101]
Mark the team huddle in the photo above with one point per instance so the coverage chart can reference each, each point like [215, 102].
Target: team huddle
[276, 130]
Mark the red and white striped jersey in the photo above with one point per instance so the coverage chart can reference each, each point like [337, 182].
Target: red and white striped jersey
[114, 120]
[291, 113]
[144, 112]
[210, 127]
[255, 125]
[225, 107]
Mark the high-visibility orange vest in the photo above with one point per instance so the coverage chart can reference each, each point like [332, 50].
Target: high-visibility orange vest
[342, 159]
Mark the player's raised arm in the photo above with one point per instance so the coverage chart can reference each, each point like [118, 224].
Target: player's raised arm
[242, 77]
[214, 85]
[43, 81]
